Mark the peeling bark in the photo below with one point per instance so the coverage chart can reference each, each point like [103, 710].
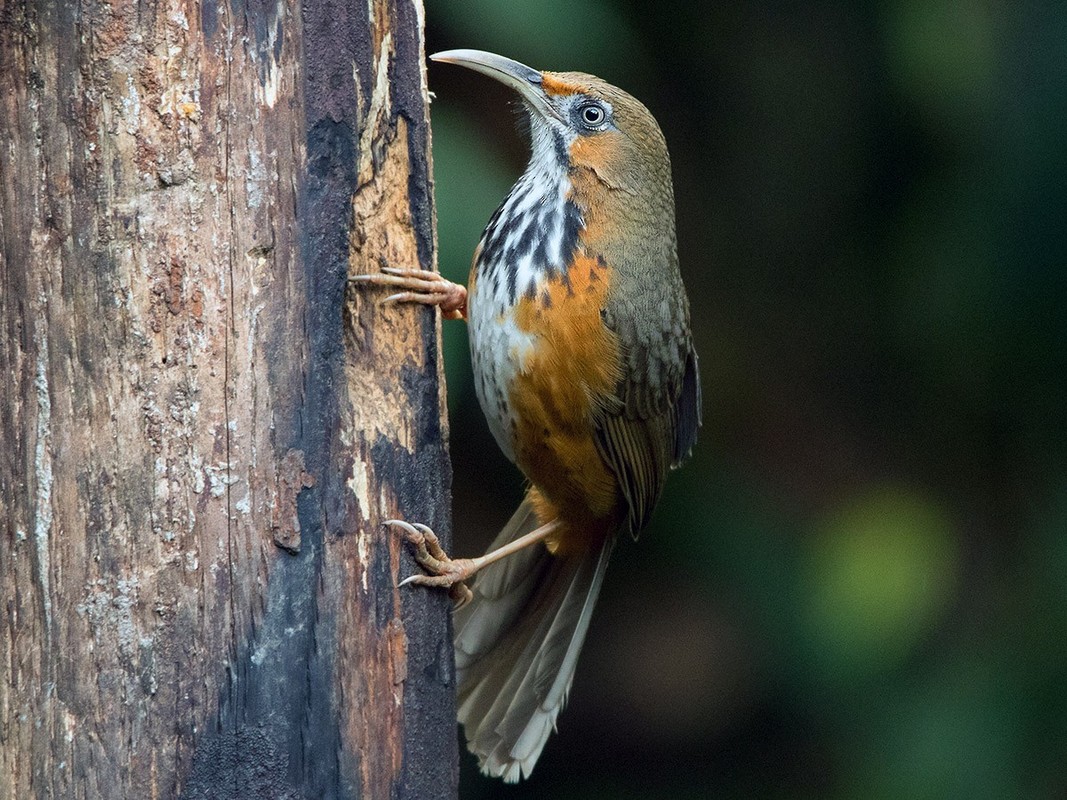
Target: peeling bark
[201, 429]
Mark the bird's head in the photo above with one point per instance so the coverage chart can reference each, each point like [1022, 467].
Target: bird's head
[582, 123]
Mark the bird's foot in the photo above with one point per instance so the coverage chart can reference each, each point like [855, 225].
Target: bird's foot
[444, 572]
[419, 286]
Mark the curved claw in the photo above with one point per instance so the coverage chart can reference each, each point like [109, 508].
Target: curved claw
[407, 527]
[418, 286]
[459, 592]
[444, 572]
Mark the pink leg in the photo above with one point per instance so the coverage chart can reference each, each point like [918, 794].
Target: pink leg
[420, 286]
[451, 573]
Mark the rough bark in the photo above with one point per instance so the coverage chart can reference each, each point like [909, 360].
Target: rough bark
[201, 429]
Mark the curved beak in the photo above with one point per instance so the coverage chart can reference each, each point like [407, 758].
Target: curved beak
[521, 78]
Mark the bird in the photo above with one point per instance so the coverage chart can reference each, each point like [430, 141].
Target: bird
[585, 368]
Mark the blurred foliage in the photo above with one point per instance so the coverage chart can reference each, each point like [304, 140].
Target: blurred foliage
[876, 577]
[858, 586]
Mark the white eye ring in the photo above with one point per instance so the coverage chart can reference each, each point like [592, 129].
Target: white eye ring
[592, 115]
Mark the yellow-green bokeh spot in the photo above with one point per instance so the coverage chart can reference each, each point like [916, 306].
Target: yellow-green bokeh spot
[943, 53]
[880, 572]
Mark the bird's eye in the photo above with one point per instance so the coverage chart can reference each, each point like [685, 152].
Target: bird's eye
[592, 115]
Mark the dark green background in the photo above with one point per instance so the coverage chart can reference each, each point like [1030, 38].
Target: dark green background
[858, 586]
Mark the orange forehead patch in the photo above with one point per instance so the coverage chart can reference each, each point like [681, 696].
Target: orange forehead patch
[556, 87]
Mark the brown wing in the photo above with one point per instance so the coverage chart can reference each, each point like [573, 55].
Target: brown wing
[651, 424]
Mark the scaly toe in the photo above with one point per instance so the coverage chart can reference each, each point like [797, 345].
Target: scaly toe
[418, 542]
[444, 572]
[460, 594]
[431, 542]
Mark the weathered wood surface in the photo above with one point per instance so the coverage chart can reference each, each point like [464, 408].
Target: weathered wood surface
[200, 430]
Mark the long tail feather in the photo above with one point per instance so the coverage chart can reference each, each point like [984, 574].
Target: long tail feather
[517, 645]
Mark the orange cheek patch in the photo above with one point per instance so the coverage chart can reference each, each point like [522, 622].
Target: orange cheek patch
[599, 160]
[598, 148]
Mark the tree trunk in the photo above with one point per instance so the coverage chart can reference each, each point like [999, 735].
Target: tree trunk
[201, 430]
